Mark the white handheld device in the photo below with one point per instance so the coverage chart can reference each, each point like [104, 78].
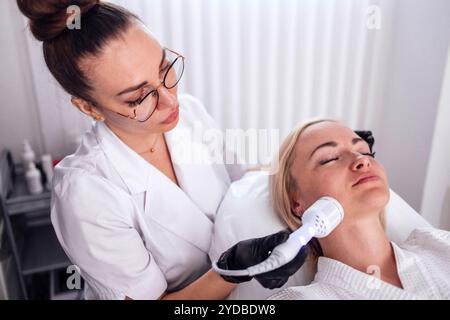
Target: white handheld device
[318, 221]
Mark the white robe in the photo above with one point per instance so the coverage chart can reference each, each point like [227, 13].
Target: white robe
[423, 264]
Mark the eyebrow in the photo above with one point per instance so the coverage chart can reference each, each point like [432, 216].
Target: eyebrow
[334, 144]
[139, 86]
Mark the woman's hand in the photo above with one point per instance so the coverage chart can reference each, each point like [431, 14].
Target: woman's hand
[248, 253]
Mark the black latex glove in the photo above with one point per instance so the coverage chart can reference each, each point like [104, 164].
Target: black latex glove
[250, 252]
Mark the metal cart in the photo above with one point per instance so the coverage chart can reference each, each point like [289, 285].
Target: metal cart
[32, 240]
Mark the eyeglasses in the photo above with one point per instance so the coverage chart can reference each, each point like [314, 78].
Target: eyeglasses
[173, 66]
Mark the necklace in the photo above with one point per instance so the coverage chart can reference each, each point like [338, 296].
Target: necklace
[152, 149]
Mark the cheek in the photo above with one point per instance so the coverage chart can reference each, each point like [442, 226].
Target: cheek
[113, 117]
[384, 192]
[330, 182]
[331, 178]
[333, 184]
[381, 171]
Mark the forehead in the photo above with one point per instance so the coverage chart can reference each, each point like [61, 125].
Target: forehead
[323, 132]
[128, 60]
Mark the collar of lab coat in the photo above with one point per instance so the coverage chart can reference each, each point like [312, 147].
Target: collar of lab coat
[133, 169]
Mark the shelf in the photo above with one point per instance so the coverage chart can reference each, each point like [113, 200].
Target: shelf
[32, 238]
[42, 251]
[29, 206]
[21, 201]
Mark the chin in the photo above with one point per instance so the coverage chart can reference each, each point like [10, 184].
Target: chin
[374, 199]
[170, 126]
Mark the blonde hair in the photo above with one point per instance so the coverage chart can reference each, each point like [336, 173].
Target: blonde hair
[283, 185]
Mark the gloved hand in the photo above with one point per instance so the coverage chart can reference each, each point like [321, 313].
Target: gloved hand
[250, 252]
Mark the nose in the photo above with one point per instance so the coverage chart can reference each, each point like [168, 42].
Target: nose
[167, 100]
[361, 163]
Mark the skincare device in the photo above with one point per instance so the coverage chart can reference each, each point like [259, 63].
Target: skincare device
[318, 221]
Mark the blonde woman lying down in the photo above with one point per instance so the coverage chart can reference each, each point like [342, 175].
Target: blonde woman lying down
[356, 261]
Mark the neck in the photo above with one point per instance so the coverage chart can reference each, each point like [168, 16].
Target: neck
[362, 245]
[138, 141]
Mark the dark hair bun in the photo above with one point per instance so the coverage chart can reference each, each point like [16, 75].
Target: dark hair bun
[49, 18]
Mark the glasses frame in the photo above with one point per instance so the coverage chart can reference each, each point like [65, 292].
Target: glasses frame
[155, 91]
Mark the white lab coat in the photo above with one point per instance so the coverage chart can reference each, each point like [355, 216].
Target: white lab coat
[129, 228]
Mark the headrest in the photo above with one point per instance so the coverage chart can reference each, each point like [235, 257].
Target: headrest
[245, 213]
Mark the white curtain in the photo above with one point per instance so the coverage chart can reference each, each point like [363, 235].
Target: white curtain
[259, 64]
[436, 197]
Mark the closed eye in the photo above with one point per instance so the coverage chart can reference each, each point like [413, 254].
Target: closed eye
[323, 162]
[369, 154]
[138, 101]
[134, 103]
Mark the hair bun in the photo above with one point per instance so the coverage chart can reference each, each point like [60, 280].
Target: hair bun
[48, 19]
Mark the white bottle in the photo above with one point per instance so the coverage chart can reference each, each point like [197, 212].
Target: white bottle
[27, 155]
[33, 177]
[47, 166]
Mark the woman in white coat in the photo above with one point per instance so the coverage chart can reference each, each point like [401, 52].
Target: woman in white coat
[131, 208]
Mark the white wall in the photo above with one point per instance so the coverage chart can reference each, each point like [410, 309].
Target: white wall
[420, 41]
[436, 199]
[18, 115]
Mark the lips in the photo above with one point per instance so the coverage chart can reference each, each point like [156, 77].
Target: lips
[365, 178]
[172, 117]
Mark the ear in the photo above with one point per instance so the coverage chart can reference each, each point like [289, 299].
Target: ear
[296, 208]
[87, 108]
[296, 205]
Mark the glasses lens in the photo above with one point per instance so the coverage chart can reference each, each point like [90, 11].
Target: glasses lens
[145, 110]
[174, 73]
